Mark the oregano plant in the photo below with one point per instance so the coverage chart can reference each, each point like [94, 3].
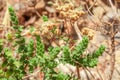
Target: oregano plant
[75, 57]
[24, 57]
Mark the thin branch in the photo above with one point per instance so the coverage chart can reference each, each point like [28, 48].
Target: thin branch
[90, 73]
[112, 51]
[114, 8]
[101, 78]
[77, 31]
[92, 4]
[78, 72]
[88, 8]
[86, 74]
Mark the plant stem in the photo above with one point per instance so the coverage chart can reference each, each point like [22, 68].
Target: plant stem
[78, 73]
[114, 8]
[112, 51]
[77, 31]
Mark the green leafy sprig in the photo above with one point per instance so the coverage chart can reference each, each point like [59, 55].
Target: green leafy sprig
[13, 16]
[75, 57]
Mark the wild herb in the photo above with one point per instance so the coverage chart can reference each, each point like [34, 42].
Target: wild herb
[27, 56]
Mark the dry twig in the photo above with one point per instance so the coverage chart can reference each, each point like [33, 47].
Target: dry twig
[112, 35]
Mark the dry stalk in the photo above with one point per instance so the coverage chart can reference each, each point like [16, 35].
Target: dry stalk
[95, 1]
[80, 38]
[86, 74]
[77, 31]
[90, 73]
[79, 34]
[114, 8]
[88, 8]
[101, 78]
[112, 35]
[6, 19]
[78, 72]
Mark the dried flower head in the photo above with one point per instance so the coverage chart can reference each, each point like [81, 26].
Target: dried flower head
[89, 32]
[49, 29]
[68, 11]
